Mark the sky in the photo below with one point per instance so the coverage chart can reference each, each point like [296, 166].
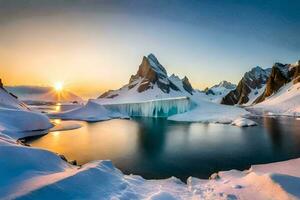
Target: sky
[94, 45]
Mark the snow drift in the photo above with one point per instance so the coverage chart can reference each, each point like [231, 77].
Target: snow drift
[16, 117]
[285, 102]
[91, 112]
[32, 173]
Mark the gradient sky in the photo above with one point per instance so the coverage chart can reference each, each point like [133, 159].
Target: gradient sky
[96, 45]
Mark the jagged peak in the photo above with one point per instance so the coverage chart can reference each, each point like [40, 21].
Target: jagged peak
[185, 78]
[155, 65]
[225, 84]
[152, 57]
[257, 73]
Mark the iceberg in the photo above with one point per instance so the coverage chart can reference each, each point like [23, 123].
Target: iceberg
[152, 108]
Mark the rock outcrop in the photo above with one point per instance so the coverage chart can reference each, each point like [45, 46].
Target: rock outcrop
[151, 72]
[281, 74]
[256, 78]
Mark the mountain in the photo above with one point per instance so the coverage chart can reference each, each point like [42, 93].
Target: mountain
[33, 94]
[151, 81]
[281, 74]
[249, 87]
[217, 92]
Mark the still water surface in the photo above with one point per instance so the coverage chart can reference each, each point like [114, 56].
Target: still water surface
[157, 148]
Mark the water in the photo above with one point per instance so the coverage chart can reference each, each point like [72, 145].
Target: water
[157, 148]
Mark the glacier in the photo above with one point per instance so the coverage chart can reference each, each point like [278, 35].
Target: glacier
[153, 108]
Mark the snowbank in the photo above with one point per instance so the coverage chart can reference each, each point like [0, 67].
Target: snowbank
[32, 173]
[9, 101]
[17, 119]
[243, 122]
[285, 102]
[18, 122]
[208, 112]
[90, 112]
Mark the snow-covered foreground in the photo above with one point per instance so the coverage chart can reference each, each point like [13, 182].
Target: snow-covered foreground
[285, 102]
[32, 173]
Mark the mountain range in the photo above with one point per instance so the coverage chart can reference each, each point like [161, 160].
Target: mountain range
[259, 84]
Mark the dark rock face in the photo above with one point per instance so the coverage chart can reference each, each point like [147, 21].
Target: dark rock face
[151, 72]
[187, 85]
[107, 94]
[253, 79]
[209, 92]
[280, 75]
[295, 72]
[1, 84]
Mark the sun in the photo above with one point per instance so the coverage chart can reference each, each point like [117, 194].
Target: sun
[58, 86]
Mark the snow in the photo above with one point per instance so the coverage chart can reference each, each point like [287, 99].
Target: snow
[254, 94]
[208, 112]
[33, 173]
[126, 95]
[243, 122]
[17, 119]
[8, 101]
[91, 112]
[257, 73]
[156, 66]
[284, 102]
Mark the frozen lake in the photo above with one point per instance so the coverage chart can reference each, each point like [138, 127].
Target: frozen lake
[157, 148]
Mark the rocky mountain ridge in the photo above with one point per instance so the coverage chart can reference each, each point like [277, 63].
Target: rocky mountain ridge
[152, 74]
[252, 80]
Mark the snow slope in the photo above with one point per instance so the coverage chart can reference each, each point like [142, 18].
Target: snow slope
[16, 117]
[42, 94]
[9, 101]
[208, 112]
[32, 173]
[91, 111]
[217, 92]
[284, 102]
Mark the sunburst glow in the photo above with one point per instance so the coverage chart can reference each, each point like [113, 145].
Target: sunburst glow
[58, 86]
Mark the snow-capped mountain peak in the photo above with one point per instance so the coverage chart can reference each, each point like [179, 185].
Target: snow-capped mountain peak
[151, 72]
[249, 88]
[156, 66]
[257, 73]
[153, 78]
[225, 84]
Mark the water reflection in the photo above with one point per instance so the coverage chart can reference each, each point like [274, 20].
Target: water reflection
[157, 148]
[151, 136]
